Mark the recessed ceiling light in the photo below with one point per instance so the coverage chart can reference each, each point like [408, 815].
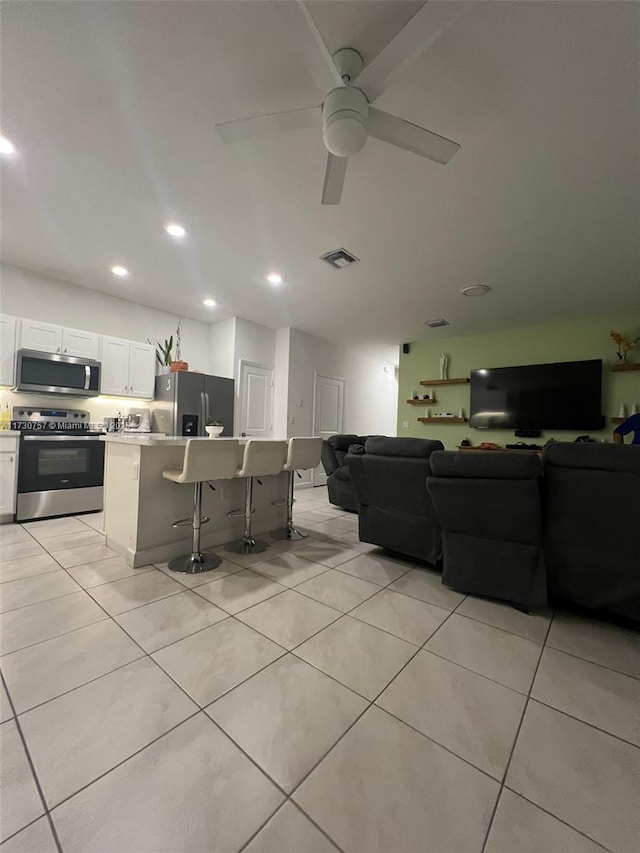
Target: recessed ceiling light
[6, 146]
[175, 229]
[119, 271]
[210, 303]
[274, 278]
[476, 290]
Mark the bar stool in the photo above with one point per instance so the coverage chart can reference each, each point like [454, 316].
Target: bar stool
[304, 453]
[261, 458]
[204, 460]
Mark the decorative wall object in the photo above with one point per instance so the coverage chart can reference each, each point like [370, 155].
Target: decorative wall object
[444, 367]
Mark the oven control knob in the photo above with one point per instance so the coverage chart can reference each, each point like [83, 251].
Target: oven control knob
[76, 415]
[21, 412]
[83, 415]
[29, 413]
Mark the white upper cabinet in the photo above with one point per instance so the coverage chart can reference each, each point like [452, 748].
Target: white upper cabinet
[114, 378]
[45, 337]
[80, 344]
[128, 368]
[142, 370]
[7, 350]
[42, 337]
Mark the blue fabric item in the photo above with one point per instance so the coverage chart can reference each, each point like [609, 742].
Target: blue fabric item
[632, 424]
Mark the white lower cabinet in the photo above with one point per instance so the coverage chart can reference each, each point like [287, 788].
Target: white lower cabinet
[8, 475]
[128, 368]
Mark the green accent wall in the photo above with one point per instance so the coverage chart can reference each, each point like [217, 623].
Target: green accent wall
[567, 341]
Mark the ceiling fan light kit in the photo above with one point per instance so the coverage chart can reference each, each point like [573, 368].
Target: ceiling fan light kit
[347, 117]
[344, 121]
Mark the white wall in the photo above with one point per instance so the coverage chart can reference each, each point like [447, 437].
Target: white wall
[254, 343]
[371, 393]
[281, 383]
[36, 297]
[222, 342]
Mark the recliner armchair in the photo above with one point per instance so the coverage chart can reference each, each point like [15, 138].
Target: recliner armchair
[592, 525]
[489, 509]
[333, 456]
[394, 508]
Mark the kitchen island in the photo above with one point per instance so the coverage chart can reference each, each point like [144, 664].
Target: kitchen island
[141, 506]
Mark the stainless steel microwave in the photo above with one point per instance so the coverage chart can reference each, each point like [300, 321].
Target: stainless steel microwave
[52, 373]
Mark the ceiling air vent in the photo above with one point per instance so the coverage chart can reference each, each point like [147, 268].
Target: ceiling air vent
[436, 324]
[339, 259]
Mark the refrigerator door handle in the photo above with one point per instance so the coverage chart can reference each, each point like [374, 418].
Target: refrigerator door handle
[207, 410]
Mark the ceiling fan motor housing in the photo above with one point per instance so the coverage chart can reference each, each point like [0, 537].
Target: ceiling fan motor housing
[344, 121]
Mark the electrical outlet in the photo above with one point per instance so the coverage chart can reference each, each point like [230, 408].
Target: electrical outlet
[292, 420]
[300, 403]
[136, 470]
[405, 424]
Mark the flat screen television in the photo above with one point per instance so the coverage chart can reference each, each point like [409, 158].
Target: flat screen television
[563, 395]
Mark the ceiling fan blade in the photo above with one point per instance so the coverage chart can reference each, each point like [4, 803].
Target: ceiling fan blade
[307, 42]
[250, 128]
[425, 28]
[334, 179]
[409, 136]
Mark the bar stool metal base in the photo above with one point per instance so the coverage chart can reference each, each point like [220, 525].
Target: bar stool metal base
[289, 533]
[193, 564]
[246, 546]
[293, 534]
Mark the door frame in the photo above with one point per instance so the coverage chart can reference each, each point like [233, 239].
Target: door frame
[316, 375]
[242, 363]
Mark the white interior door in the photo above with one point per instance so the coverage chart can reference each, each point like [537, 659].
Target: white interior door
[256, 400]
[328, 414]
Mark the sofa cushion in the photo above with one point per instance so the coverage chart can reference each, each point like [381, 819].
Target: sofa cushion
[488, 465]
[603, 457]
[342, 442]
[342, 473]
[417, 448]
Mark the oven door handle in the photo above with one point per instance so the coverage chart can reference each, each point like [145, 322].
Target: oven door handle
[87, 377]
[67, 437]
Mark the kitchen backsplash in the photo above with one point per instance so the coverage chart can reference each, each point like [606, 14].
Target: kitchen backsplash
[99, 407]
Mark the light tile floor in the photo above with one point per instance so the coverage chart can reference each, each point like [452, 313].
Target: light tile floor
[323, 696]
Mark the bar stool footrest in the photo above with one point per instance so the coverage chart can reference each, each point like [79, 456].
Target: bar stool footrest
[188, 522]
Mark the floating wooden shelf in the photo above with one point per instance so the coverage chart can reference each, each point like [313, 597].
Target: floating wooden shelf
[621, 368]
[618, 420]
[462, 381]
[442, 420]
[428, 402]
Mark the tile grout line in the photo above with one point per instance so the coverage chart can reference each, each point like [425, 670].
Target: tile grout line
[34, 775]
[515, 739]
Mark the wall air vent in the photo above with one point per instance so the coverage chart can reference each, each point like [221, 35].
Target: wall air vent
[339, 259]
[436, 324]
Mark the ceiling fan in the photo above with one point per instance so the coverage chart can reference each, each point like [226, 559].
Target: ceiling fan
[346, 115]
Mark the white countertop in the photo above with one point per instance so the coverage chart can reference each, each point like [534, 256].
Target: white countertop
[158, 439]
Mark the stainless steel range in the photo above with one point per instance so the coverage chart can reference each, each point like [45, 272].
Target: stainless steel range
[60, 464]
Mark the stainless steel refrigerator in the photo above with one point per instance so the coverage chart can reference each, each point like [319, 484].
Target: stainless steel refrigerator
[185, 401]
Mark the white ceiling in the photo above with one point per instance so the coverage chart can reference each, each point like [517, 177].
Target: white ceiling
[112, 105]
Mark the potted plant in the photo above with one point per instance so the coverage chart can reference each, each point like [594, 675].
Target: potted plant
[214, 428]
[178, 364]
[163, 354]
